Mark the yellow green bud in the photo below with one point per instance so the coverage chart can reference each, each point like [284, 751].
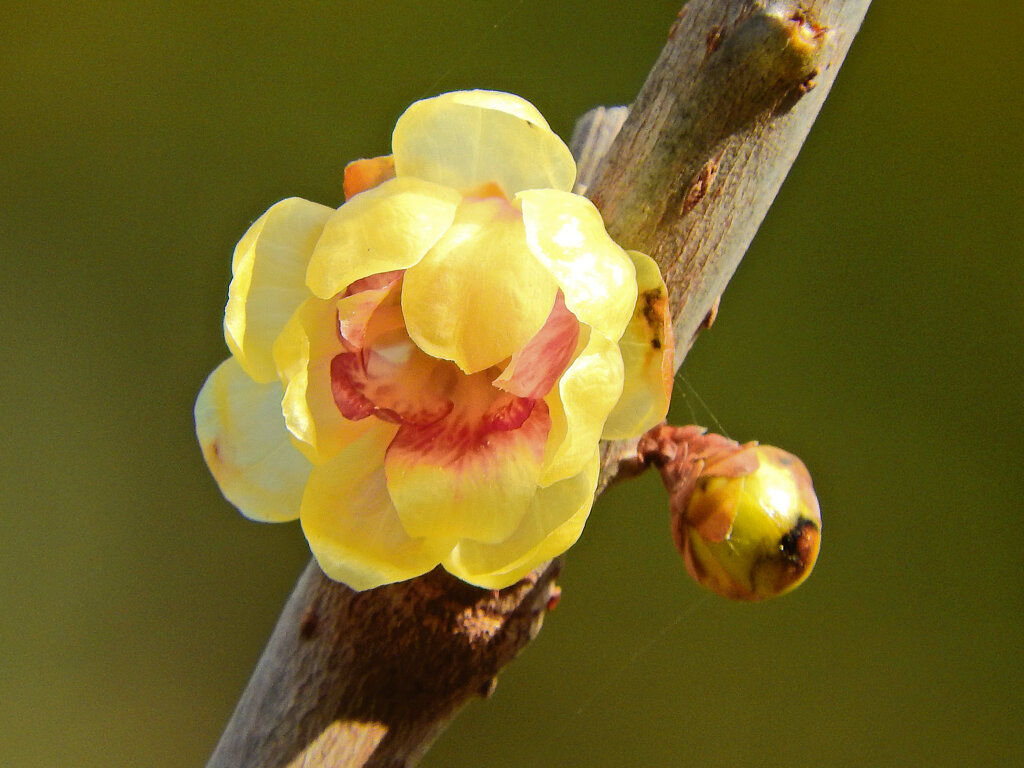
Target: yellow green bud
[744, 517]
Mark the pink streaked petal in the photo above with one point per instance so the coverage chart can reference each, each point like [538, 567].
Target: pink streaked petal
[354, 313]
[508, 412]
[534, 370]
[372, 282]
[398, 384]
[347, 383]
[462, 478]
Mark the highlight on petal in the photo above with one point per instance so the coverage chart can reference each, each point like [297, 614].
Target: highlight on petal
[470, 475]
[479, 295]
[303, 355]
[586, 394]
[566, 233]
[351, 524]
[269, 280]
[382, 229]
[246, 445]
[647, 356]
[550, 526]
[469, 138]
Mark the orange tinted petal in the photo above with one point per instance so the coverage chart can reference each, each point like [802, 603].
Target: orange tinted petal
[361, 175]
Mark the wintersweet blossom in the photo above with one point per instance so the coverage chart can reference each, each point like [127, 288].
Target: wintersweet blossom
[422, 376]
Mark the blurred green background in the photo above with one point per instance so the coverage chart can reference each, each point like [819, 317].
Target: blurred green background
[874, 328]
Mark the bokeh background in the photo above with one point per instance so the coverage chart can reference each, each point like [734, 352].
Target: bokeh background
[874, 328]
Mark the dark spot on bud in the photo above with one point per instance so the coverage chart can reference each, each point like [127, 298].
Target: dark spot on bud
[797, 544]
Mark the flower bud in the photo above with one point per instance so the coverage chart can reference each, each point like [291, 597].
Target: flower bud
[744, 517]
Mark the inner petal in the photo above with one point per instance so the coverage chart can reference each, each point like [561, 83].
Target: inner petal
[533, 370]
[369, 308]
[395, 382]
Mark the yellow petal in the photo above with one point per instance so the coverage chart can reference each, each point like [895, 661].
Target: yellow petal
[303, 354]
[351, 524]
[268, 283]
[566, 233]
[580, 405]
[647, 352]
[245, 444]
[382, 229]
[551, 525]
[478, 296]
[469, 138]
[459, 478]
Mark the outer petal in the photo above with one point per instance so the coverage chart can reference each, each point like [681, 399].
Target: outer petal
[385, 228]
[647, 353]
[458, 479]
[479, 295]
[246, 445]
[303, 354]
[268, 284]
[566, 233]
[352, 526]
[552, 525]
[469, 138]
[586, 394]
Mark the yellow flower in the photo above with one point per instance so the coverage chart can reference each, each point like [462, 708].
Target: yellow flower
[422, 375]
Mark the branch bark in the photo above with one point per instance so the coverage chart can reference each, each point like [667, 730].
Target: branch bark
[370, 679]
